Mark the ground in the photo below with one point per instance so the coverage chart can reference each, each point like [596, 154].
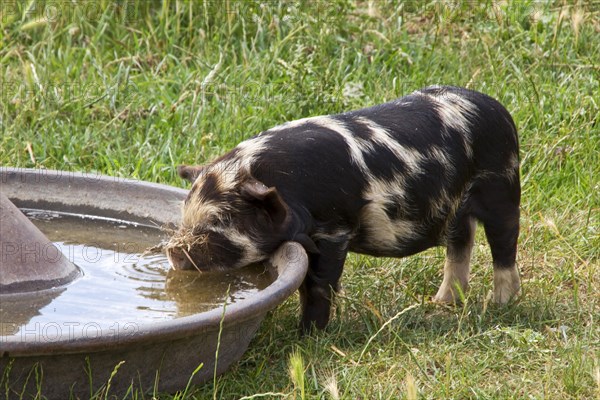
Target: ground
[133, 89]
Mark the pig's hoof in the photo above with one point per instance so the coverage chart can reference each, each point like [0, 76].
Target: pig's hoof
[445, 298]
[503, 295]
[447, 294]
[449, 297]
[507, 285]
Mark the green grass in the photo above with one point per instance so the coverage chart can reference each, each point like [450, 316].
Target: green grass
[135, 90]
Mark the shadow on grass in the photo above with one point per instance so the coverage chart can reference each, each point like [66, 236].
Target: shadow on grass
[354, 326]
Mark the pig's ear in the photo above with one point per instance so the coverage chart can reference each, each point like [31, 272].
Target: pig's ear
[266, 198]
[189, 172]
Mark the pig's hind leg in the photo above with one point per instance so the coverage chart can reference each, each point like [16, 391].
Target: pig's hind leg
[496, 205]
[460, 238]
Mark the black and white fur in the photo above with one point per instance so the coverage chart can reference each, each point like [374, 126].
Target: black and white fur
[390, 180]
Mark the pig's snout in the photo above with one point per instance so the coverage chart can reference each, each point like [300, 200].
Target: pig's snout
[179, 260]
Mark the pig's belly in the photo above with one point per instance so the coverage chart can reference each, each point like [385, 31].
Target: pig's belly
[397, 238]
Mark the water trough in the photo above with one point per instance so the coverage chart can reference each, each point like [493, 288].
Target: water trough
[76, 357]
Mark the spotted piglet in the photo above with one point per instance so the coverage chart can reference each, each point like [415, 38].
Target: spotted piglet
[390, 180]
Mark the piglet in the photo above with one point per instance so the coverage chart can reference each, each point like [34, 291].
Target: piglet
[389, 180]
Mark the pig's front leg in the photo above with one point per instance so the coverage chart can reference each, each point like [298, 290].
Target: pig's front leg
[321, 282]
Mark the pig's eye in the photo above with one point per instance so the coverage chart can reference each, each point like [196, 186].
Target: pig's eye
[213, 223]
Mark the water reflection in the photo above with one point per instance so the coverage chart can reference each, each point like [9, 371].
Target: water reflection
[16, 312]
[120, 286]
[193, 291]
